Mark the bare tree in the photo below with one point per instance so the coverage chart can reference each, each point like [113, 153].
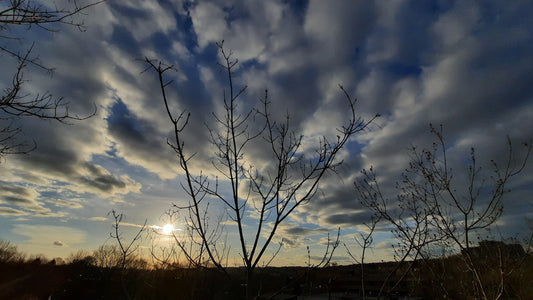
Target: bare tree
[192, 246]
[273, 193]
[126, 249]
[364, 241]
[436, 207]
[80, 256]
[14, 102]
[107, 256]
[177, 242]
[165, 257]
[9, 252]
[410, 221]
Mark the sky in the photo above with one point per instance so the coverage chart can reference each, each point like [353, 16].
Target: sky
[463, 64]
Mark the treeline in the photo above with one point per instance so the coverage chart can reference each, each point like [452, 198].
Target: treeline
[105, 256]
[100, 274]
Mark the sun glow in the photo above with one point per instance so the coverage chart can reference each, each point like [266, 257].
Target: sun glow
[167, 229]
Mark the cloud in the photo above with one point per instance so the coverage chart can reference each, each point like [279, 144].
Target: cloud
[8, 211]
[58, 243]
[146, 17]
[336, 37]
[65, 151]
[17, 193]
[138, 140]
[127, 224]
[456, 78]
[22, 197]
[209, 23]
[65, 203]
[348, 218]
[295, 236]
[98, 177]
[304, 231]
[87, 177]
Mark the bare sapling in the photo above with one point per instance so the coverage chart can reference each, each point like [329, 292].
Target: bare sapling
[272, 193]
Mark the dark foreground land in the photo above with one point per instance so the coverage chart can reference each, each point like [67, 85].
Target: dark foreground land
[444, 278]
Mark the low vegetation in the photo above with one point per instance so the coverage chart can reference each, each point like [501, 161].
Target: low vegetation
[99, 275]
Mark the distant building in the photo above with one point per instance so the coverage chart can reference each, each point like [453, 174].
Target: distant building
[487, 249]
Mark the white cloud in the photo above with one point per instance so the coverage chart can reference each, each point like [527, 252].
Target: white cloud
[65, 203]
[146, 18]
[209, 23]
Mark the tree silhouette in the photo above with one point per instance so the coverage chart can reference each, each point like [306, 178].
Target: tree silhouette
[436, 207]
[275, 192]
[14, 102]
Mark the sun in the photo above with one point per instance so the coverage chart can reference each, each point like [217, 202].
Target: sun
[167, 229]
